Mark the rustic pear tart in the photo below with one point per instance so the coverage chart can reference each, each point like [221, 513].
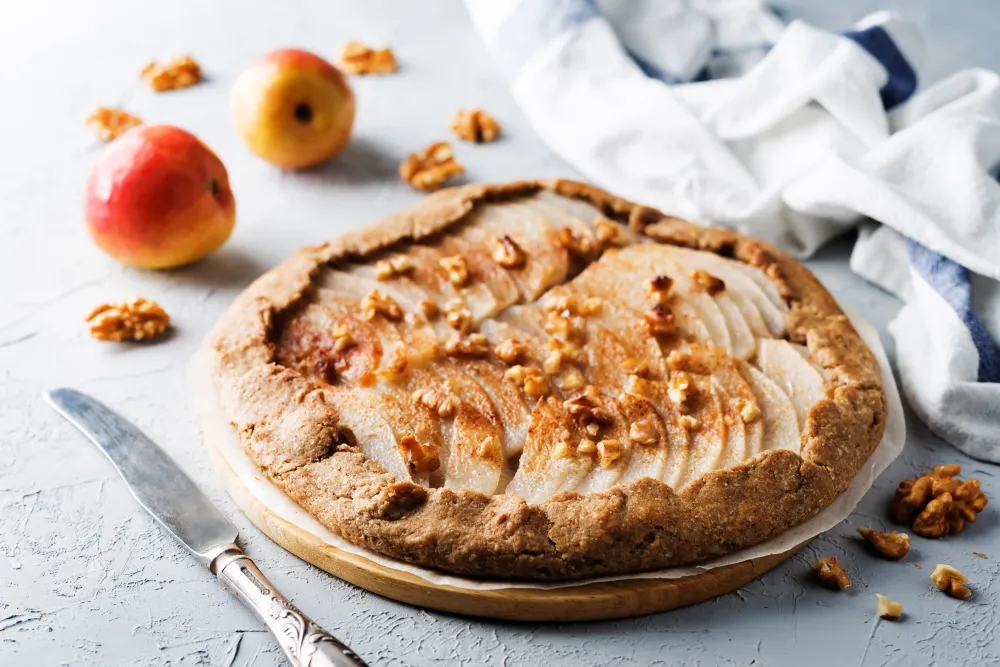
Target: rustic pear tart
[542, 381]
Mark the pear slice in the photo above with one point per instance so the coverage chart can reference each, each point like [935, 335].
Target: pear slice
[800, 381]
[547, 260]
[758, 297]
[678, 444]
[646, 459]
[744, 343]
[708, 437]
[780, 423]
[550, 463]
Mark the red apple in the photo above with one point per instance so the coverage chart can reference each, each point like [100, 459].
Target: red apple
[159, 198]
[293, 108]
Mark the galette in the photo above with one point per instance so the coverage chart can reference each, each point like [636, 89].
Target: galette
[542, 381]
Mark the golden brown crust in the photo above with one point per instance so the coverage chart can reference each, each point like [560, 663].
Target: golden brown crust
[289, 430]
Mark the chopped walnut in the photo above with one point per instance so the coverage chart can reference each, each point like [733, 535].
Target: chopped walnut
[376, 303]
[689, 423]
[573, 379]
[359, 58]
[342, 338]
[679, 388]
[419, 457]
[951, 581]
[511, 351]
[112, 123]
[706, 282]
[608, 233]
[532, 381]
[937, 503]
[474, 345]
[643, 432]
[508, 253]
[441, 402]
[458, 316]
[887, 609]
[488, 447]
[553, 362]
[587, 446]
[395, 367]
[634, 366]
[749, 410]
[592, 429]
[831, 573]
[590, 306]
[430, 168]
[386, 269]
[660, 320]
[609, 451]
[587, 406]
[137, 319]
[456, 268]
[679, 360]
[659, 289]
[475, 125]
[178, 72]
[891, 545]
[578, 245]
[560, 450]
[429, 309]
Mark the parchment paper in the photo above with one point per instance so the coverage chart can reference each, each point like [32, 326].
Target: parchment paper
[219, 434]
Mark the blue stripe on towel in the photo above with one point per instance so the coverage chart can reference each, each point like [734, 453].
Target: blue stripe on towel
[534, 23]
[902, 81]
[952, 281]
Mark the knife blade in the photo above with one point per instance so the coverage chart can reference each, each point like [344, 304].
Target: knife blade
[184, 511]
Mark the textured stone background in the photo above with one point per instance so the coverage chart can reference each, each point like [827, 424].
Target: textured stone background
[85, 576]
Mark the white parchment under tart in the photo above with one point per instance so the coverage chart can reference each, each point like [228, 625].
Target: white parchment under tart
[539, 380]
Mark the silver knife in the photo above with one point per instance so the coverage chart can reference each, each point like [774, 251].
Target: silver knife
[163, 489]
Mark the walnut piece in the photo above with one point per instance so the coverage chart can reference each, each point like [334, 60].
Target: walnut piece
[578, 245]
[749, 410]
[359, 58]
[419, 457]
[429, 309]
[937, 503]
[951, 581]
[533, 381]
[376, 303]
[635, 366]
[473, 345]
[561, 450]
[112, 123]
[587, 406]
[456, 268]
[342, 338]
[831, 573]
[458, 316]
[511, 351]
[475, 125]
[387, 269]
[488, 447]
[179, 72]
[137, 319]
[660, 320]
[887, 609]
[443, 403]
[609, 451]
[659, 289]
[507, 253]
[643, 432]
[706, 282]
[430, 168]
[689, 423]
[891, 545]
[590, 306]
[679, 388]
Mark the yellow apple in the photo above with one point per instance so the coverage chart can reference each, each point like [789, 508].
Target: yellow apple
[158, 198]
[293, 108]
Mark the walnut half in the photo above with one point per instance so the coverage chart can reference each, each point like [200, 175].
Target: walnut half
[359, 58]
[830, 572]
[431, 167]
[179, 72]
[138, 319]
[937, 503]
[891, 545]
[475, 125]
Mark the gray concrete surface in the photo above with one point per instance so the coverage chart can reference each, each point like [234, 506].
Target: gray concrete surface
[86, 578]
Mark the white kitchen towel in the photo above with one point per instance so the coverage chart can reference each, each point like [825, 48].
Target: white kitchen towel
[716, 111]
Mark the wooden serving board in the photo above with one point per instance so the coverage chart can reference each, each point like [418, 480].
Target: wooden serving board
[594, 601]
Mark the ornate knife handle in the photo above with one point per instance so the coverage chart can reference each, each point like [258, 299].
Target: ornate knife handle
[304, 643]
